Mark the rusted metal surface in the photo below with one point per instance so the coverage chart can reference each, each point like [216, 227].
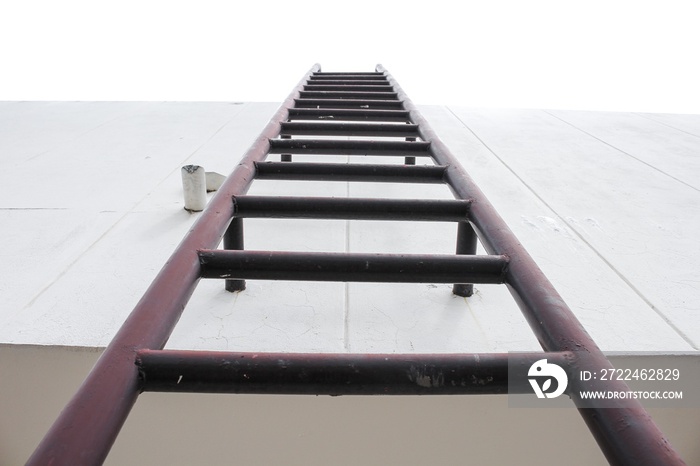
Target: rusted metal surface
[336, 374]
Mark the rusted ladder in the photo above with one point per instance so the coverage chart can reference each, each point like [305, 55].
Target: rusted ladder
[373, 106]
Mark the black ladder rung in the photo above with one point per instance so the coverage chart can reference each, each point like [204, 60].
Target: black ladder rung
[356, 95]
[349, 147]
[348, 73]
[349, 208]
[350, 172]
[352, 267]
[349, 82]
[349, 103]
[348, 129]
[347, 77]
[349, 87]
[348, 114]
[338, 373]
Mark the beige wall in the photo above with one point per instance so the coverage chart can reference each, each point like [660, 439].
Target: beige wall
[184, 429]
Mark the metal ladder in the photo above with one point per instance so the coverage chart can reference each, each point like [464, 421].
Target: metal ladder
[374, 106]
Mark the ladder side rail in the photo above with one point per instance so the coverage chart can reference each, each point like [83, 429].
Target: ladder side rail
[556, 327]
[87, 427]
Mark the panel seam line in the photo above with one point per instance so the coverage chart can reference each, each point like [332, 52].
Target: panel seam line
[622, 151]
[576, 232]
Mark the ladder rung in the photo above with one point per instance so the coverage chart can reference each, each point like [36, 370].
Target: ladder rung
[350, 172]
[348, 114]
[349, 147]
[338, 373]
[357, 95]
[348, 77]
[431, 210]
[348, 129]
[349, 82]
[348, 87]
[348, 73]
[352, 267]
[349, 103]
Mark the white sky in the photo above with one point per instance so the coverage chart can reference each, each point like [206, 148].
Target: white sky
[597, 55]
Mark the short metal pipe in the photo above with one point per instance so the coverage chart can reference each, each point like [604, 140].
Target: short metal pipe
[194, 187]
[351, 267]
[285, 157]
[337, 374]
[233, 241]
[433, 210]
[466, 245]
[410, 160]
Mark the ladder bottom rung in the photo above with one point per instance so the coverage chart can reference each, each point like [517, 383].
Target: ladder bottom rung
[352, 267]
[338, 374]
